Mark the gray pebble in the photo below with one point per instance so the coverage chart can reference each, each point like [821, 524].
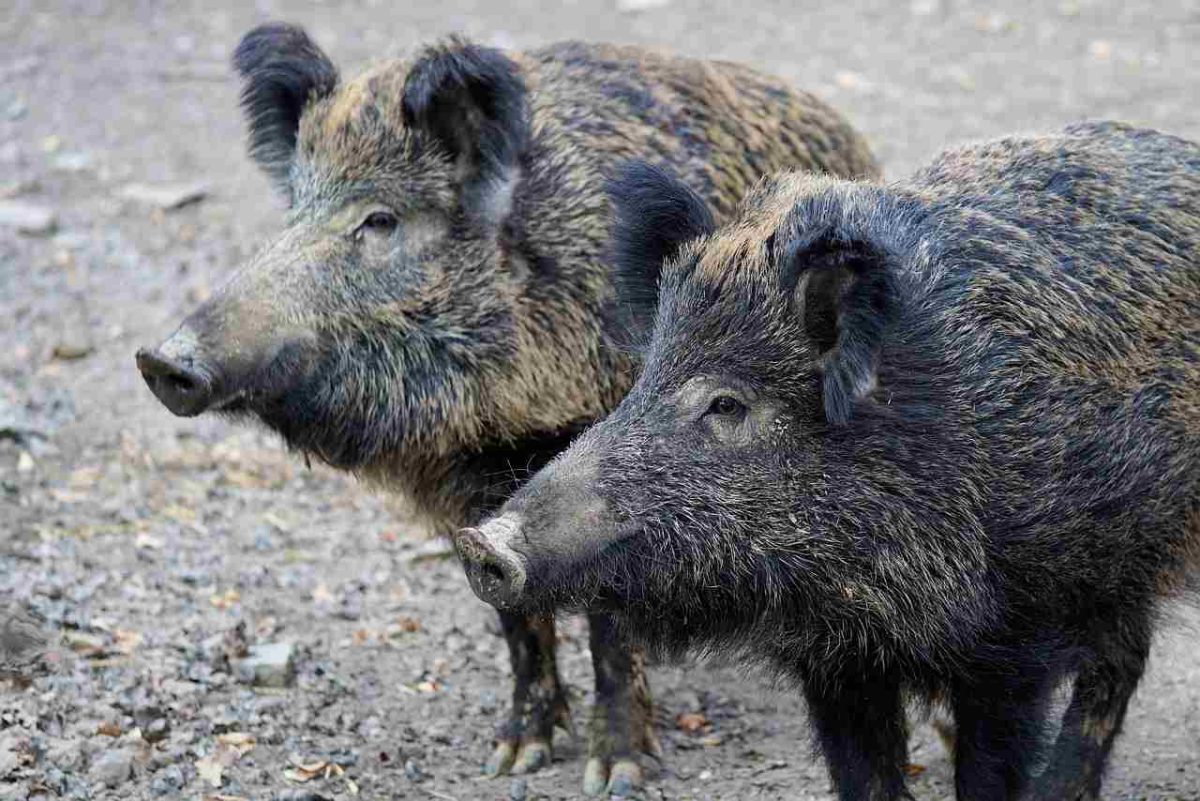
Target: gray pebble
[268, 665]
[27, 218]
[112, 768]
[169, 781]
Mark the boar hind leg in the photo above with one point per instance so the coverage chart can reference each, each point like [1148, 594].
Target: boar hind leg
[539, 700]
[999, 722]
[1093, 719]
[622, 725]
[861, 730]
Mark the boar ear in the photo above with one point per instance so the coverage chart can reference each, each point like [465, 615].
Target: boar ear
[654, 216]
[282, 70]
[844, 294]
[471, 101]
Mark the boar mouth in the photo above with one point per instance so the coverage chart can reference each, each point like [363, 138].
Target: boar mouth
[601, 580]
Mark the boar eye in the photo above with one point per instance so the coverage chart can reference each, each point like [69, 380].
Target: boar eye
[380, 222]
[726, 406]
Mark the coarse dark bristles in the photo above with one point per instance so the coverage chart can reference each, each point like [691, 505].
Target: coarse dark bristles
[435, 315]
[934, 440]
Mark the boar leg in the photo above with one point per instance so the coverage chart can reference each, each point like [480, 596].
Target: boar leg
[539, 700]
[999, 722]
[622, 724]
[1093, 719]
[862, 732]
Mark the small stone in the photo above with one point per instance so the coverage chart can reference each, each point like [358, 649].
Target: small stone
[113, 768]
[27, 218]
[9, 759]
[268, 665]
[25, 463]
[64, 754]
[518, 789]
[169, 781]
[852, 81]
[1100, 50]
[72, 161]
[166, 197]
[72, 349]
[412, 771]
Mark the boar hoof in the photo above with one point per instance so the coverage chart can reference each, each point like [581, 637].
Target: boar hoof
[534, 755]
[595, 776]
[501, 760]
[621, 781]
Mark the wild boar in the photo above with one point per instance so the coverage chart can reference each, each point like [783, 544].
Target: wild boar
[437, 314]
[934, 439]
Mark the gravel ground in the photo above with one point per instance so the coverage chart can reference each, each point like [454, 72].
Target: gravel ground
[156, 555]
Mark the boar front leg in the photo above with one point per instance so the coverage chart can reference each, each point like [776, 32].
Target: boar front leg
[539, 702]
[622, 724]
[999, 719]
[860, 726]
[1093, 719]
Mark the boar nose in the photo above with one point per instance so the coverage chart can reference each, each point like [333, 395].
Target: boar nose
[181, 385]
[496, 573]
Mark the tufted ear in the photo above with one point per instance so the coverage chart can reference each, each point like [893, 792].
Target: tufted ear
[471, 101]
[282, 71]
[844, 294]
[654, 216]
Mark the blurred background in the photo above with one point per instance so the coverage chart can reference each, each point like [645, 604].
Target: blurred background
[141, 556]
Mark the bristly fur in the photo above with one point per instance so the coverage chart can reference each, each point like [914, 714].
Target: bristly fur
[1009, 506]
[434, 315]
[488, 321]
[654, 215]
[282, 71]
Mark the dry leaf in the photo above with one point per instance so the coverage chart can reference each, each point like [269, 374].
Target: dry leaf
[278, 522]
[149, 541]
[243, 479]
[691, 722]
[912, 769]
[239, 741]
[84, 478]
[91, 646]
[225, 599]
[109, 729]
[180, 514]
[125, 641]
[301, 771]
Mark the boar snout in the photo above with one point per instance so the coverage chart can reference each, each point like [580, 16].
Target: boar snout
[185, 386]
[495, 571]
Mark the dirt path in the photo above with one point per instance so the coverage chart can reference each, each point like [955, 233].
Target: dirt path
[162, 548]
